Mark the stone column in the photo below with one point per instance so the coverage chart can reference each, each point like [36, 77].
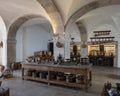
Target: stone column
[84, 38]
[11, 51]
[57, 24]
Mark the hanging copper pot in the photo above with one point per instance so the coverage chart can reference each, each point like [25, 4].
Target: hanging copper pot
[59, 44]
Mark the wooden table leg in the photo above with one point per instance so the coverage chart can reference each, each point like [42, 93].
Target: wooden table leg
[48, 78]
[22, 73]
[86, 82]
[90, 78]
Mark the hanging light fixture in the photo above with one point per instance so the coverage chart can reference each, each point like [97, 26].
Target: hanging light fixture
[72, 41]
[59, 44]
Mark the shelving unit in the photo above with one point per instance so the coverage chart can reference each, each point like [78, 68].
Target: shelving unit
[85, 70]
[102, 37]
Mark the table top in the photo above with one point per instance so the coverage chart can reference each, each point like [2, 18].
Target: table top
[57, 65]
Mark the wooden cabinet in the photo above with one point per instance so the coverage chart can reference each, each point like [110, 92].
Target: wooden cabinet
[75, 52]
[102, 55]
[51, 70]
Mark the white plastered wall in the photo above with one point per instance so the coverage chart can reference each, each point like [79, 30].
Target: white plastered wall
[3, 51]
[31, 39]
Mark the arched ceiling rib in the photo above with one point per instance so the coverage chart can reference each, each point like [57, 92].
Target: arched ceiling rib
[108, 2]
[54, 15]
[83, 31]
[67, 9]
[106, 14]
[104, 5]
[89, 7]
[18, 22]
[12, 9]
[81, 12]
[104, 11]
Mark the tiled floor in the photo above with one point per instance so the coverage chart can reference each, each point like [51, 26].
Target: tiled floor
[100, 75]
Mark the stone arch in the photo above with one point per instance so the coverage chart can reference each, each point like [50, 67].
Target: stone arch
[11, 40]
[87, 8]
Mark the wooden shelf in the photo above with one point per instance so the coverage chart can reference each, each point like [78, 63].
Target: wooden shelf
[74, 84]
[67, 83]
[102, 37]
[102, 31]
[35, 78]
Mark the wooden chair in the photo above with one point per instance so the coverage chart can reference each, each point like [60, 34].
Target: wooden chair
[4, 91]
[104, 92]
[1, 68]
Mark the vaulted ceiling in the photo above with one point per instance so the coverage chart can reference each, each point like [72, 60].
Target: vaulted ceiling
[11, 10]
[67, 9]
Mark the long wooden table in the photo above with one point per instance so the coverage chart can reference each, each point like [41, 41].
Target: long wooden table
[86, 70]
